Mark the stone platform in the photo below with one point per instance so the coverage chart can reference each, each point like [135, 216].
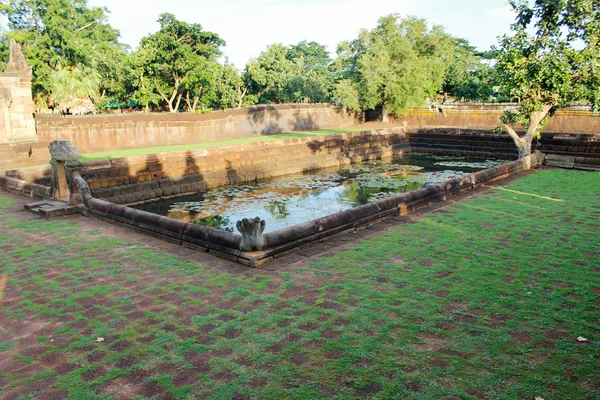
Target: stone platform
[51, 208]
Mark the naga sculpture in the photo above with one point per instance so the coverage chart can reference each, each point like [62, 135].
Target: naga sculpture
[84, 189]
[252, 234]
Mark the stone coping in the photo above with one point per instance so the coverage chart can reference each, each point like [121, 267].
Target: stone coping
[180, 116]
[24, 188]
[285, 241]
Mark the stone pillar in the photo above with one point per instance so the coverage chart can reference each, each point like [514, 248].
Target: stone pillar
[64, 162]
[59, 175]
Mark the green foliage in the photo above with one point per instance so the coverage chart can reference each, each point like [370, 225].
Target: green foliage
[231, 91]
[345, 93]
[280, 74]
[69, 35]
[550, 61]
[178, 63]
[268, 76]
[468, 77]
[74, 88]
[315, 80]
[394, 66]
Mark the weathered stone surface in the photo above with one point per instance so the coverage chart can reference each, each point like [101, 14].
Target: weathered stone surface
[63, 150]
[252, 234]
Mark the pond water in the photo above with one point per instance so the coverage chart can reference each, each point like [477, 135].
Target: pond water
[293, 199]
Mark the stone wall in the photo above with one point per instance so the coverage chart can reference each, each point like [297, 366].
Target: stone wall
[285, 241]
[138, 179]
[568, 150]
[564, 121]
[97, 133]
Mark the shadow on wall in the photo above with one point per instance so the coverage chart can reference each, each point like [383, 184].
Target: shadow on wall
[265, 119]
[272, 128]
[359, 117]
[304, 123]
[343, 146]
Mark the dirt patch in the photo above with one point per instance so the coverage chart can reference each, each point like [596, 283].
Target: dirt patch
[455, 353]
[334, 354]
[522, 337]
[232, 333]
[430, 342]
[368, 390]
[464, 318]
[299, 359]
[444, 325]
[440, 362]
[562, 285]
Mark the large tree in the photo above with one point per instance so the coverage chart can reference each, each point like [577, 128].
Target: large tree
[468, 76]
[179, 63]
[269, 75]
[61, 38]
[315, 80]
[231, 92]
[394, 66]
[551, 60]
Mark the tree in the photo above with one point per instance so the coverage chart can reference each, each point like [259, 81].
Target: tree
[179, 62]
[315, 80]
[268, 76]
[74, 89]
[230, 88]
[394, 66]
[468, 77]
[551, 60]
[68, 36]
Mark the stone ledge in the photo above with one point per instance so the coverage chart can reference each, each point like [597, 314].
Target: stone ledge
[301, 236]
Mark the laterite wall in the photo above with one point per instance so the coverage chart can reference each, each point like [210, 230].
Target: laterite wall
[95, 133]
[568, 150]
[137, 179]
[564, 121]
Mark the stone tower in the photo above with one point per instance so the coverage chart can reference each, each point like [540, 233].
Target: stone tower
[19, 143]
[16, 118]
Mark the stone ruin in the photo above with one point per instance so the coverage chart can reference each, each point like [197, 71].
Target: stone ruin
[252, 234]
[19, 144]
[66, 168]
[16, 118]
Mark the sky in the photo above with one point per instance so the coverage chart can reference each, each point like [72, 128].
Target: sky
[248, 26]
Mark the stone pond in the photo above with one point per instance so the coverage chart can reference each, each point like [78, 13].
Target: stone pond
[289, 200]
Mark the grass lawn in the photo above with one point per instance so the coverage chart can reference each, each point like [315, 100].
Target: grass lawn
[484, 299]
[163, 149]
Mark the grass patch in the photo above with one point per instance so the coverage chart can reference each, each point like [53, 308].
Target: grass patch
[206, 145]
[483, 300]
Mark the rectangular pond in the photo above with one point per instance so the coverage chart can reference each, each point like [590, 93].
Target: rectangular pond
[292, 199]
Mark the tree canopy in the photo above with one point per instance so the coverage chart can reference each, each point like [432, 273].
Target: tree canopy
[550, 60]
[179, 63]
[394, 66]
[69, 35]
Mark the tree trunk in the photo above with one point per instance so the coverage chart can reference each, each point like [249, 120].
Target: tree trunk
[169, 100]
[241, 95]
[384, 113]
[524, 143]
[178, 103]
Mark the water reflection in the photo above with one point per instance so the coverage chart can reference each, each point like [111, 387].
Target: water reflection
[278, 209]
[298, 198]
[215, 221]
